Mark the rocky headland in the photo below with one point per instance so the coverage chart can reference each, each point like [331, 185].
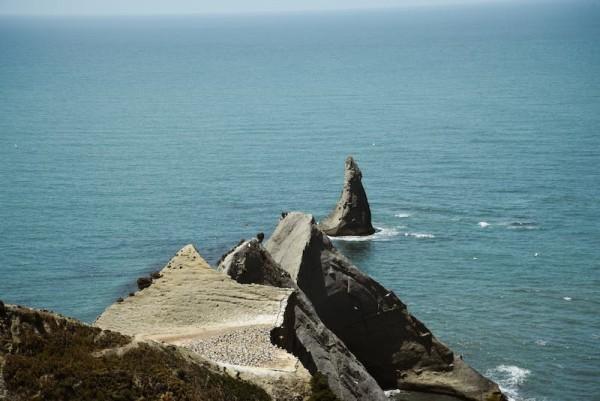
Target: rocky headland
[394, 346]
[289, 319]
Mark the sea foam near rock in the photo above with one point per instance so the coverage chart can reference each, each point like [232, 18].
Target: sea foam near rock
[510, 378]
[381, 234]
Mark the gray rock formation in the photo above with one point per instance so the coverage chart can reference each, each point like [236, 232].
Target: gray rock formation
[302, 332]
[352, 215]
[394, 346]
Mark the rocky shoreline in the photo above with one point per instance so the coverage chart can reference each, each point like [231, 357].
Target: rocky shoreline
[290, 318]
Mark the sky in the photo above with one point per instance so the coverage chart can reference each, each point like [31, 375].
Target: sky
[159, 7]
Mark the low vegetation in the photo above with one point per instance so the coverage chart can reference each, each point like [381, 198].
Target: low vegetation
[320, 389]
[53, 358]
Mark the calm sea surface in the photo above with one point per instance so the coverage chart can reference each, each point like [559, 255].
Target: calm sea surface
[477, 130]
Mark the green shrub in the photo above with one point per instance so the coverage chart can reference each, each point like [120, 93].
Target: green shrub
[61, 359]
[320, 389]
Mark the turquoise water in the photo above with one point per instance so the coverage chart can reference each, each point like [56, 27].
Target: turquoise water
[477, 130]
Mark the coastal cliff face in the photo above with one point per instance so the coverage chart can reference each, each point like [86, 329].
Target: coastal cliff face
[306, 325]
[44, 356]
[352, 214]
[302, 332]
[394, 346]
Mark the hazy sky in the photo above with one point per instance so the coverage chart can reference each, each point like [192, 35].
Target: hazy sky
[137, 7]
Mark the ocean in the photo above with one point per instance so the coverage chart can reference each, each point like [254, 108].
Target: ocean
[477, 129]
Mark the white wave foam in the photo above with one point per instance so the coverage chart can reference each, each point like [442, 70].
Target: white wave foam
[419, 235]
[381, 234]
[541, 343]
[483, 224]
[510, 378]
[520, 225]
[402, 215]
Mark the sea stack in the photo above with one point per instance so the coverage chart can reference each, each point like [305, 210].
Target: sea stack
[352, 215]
[376, 326]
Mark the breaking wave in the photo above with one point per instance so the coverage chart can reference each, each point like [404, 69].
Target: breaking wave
[520, 225]
[419, 235]
[402, 215]
[510, 378]
[381, 234]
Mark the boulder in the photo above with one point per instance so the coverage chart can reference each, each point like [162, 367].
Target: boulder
[352, 214]
[250, 263]
[144, 282]
[302, 332]
[394, 346]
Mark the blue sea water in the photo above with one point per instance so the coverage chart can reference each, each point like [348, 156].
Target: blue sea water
[477, 129]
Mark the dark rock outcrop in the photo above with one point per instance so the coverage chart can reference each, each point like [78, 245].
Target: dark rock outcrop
[144, 282]
[44, 356]
[352, 214]
[250, 263]
[394, 346]
[302, 332]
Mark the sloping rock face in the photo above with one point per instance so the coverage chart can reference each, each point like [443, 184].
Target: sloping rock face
[44, 356]
[352, 214]
[207, 312]
[302, 331]
[394, 346]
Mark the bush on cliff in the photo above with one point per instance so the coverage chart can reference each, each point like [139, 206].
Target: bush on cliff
[320, 389]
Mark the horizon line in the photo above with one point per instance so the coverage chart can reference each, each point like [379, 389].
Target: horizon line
[223, 13]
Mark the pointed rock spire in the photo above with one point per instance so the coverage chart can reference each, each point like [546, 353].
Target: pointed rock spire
[352, 215]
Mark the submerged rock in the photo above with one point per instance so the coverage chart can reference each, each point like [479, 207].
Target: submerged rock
[352, 214]
[44, 356]
[394, 346]
[302, 331]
